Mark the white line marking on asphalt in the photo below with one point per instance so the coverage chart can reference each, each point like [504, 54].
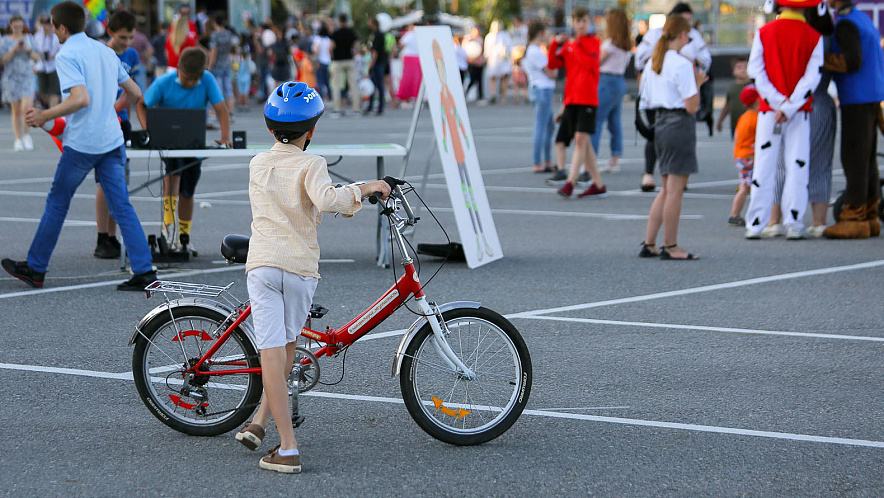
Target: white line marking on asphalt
[571, 214]
[538, 413]
[616, 193]
[711, 428]
[583, 408]
[708, 329]
[68, 223]
[321, 261]
[704, 288]
[67, 371]
[107, 283]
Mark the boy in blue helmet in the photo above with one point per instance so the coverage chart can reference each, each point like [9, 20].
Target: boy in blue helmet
[289, 190]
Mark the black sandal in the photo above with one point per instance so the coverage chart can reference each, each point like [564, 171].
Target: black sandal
[646, 252]
[664, 254]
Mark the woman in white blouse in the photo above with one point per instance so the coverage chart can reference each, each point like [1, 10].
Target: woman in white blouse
[614, 59]
[541, 84]
[669, 85]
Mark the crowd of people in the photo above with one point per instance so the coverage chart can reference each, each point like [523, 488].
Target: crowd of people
[781, 113]
[782, 116]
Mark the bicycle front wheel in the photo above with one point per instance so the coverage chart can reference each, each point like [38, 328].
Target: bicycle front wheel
[209, 405]
[453, 408]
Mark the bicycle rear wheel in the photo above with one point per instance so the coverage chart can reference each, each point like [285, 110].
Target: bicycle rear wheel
[213, 404]
[457, 410]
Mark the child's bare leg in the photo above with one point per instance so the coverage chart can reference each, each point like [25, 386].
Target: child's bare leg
[274, 374]
[578, 156]
[17, 116]
[503, 89]
[185, 208]
[820, 210]
[102, 214]
[560, 155]
[591, 162]
[776, 215]
[262, 415]
[739, 200]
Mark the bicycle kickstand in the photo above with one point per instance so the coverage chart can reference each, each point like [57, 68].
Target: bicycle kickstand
[297, 419]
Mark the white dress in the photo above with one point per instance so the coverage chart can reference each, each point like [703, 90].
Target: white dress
[498, 49]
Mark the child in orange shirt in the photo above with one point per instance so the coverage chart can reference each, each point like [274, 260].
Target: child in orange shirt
[744, 152]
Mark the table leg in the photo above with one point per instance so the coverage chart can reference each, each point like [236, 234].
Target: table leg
[383, 238]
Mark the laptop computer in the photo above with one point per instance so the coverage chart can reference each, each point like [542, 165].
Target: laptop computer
[176, 128]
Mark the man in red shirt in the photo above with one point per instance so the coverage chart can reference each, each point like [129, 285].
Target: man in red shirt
[580, 58]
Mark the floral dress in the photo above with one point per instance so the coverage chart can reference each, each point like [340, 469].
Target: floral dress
[18, 74]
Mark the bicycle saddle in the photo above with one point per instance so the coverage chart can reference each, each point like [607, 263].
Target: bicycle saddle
[235, 248]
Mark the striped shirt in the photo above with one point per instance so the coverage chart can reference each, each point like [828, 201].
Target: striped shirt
[289, 190]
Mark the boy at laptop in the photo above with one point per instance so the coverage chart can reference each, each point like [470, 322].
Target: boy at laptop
[191, 87]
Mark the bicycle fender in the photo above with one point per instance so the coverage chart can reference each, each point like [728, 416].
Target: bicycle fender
[189, 301]
[412, 331]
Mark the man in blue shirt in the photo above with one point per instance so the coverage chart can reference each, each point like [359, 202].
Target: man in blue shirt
[191, 87]
[89, 73]
[121, 29]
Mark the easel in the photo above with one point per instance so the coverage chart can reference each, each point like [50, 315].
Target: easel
[409, 144]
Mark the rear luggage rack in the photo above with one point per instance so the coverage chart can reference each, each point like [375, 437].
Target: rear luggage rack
[185, 288]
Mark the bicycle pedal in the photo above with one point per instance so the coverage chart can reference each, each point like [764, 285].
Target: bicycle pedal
[297, 421]
[317, 311]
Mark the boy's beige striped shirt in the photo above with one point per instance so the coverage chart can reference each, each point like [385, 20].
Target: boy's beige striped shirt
[289, 190]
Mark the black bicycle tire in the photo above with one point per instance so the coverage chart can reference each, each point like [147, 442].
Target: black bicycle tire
[154, 406]
[413, 404]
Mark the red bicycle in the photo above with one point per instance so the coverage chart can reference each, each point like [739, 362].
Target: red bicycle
[465, 370]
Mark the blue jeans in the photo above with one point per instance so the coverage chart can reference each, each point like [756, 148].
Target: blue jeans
[223, 77]
[323, 81]
[72, 169]
[612, 88]
[543, 122]
[377, 77]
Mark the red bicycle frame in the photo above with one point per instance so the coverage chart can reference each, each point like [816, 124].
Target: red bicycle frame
[335, 339]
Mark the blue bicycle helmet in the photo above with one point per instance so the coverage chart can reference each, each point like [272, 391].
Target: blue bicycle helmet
[292, 107]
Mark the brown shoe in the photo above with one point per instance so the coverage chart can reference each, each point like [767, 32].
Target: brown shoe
[852, 224]
[285, 464]
[872, 218]
[251, 436]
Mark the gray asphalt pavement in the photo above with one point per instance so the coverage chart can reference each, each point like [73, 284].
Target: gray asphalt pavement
[755, 371]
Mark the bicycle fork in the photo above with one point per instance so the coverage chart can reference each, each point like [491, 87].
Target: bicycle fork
[440, 338]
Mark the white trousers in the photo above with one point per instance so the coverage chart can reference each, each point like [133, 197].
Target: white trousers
[795, 138]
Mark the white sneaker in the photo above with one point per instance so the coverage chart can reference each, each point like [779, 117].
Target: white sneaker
[751, 234]
[772, 231]
[18, 146]
[27, 142]
[815, 231]
[793, 233]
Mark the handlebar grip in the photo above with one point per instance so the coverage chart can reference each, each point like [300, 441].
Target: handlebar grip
[374, 198]
[393, 182]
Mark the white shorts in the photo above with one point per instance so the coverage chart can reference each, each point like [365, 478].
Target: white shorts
[280, 304]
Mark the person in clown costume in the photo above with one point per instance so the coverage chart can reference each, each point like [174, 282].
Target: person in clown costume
[785, 76]
[858, 64]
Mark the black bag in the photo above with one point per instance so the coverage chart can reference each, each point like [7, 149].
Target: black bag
[644, 123]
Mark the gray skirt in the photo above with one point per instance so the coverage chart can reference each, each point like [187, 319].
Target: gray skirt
[675, 140]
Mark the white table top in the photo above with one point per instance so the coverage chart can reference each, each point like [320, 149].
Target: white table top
[346, 150]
